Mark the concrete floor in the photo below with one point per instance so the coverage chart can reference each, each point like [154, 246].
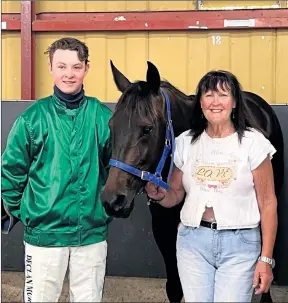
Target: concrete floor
[117, 289]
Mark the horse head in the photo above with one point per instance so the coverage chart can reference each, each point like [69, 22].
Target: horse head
[137, 137]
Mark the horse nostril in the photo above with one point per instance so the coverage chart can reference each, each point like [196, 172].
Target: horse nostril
[118, 202]
[113, 204]
[119, 206]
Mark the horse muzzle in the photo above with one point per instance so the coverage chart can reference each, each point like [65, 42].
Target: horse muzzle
[118, 206]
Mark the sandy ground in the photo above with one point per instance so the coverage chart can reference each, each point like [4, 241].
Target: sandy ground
[117, 289]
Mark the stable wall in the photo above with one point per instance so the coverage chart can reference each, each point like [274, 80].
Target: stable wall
[11, 66]
[257, 57]
[105, 6]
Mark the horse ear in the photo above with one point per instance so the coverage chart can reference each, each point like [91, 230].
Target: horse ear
[120, 80]
[153, 77]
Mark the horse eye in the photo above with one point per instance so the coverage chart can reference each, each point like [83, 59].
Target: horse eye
[147, 130]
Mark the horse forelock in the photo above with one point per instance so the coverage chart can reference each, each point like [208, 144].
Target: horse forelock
[140, 102]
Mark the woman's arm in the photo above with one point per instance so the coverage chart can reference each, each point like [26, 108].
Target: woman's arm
[267, 203]
[168, 198]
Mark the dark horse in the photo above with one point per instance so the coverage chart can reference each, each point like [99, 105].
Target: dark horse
[138, 131]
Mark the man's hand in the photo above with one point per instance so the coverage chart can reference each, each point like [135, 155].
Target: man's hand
[263, 277]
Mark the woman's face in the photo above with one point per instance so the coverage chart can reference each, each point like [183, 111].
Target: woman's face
[217, 105]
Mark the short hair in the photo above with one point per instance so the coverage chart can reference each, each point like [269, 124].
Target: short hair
[69, 43]
[241, 117]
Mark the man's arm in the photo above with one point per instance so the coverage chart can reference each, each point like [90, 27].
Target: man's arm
[14, 170]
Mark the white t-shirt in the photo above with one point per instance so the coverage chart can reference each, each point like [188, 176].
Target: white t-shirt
[217, 172]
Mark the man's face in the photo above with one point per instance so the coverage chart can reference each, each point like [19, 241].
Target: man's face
[68, 71]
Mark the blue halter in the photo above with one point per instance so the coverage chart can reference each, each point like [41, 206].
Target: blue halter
[169, 147]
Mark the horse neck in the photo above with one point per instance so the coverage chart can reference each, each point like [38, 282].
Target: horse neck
[181, 111]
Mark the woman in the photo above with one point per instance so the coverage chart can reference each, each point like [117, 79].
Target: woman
[223, 166]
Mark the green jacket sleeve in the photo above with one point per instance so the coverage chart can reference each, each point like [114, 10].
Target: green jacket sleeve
[15, 167]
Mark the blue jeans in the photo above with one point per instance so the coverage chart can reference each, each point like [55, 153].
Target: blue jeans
[217, 266]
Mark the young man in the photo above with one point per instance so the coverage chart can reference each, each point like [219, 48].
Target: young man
[53, 170]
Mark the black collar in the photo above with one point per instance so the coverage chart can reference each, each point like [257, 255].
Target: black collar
[71, 101]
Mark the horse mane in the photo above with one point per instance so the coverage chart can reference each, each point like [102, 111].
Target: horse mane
[176, 92]
[139, 99]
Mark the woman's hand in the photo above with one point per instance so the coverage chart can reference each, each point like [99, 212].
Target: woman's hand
[171, 197]
[263, 277]
[154, 192]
